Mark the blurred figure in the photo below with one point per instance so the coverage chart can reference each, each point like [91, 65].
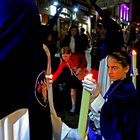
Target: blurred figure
[96, 51]
[84, 43]
[22, 53]
[113, 36]
[23, 62]
[89, 39]
[76, 63]
[131, 36]
[51, 43]
[72, 39]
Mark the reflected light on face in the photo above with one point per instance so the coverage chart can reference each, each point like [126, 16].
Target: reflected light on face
[66, 57]
[115, 70]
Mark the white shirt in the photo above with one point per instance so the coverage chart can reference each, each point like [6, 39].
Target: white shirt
[72, 44]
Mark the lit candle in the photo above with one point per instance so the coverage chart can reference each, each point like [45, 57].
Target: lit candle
[49, 76]
[82, 124]
[134, 65]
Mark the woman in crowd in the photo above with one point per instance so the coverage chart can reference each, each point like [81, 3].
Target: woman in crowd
[115, 116]
[76, 63]
[72, 39]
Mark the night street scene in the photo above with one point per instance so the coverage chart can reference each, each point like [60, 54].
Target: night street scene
[70, 70]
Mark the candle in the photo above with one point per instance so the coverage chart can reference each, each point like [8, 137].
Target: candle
[82, 124]
[134, 65]
[50, 76]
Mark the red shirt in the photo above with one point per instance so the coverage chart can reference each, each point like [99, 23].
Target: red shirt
[76, 61]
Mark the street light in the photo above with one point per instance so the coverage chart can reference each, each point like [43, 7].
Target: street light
[55, 3]
[75, 9]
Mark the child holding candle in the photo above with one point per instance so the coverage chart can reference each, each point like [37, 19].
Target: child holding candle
[114, 116]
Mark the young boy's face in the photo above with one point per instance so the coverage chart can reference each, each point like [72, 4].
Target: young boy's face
[66, 57]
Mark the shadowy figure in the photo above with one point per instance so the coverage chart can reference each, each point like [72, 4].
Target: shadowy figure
[72, 39]
[84, 43]
[114, 36]
[96, 51]
[48, 28]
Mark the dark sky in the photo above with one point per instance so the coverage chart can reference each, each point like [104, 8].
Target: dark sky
[136, 1]
[136, 10]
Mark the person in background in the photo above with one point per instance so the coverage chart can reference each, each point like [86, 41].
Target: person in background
[89, 39]
[76, 63]
[113, 40]
[131, 37]
[72, 39]
[114, 116]
[22, 59]
[51, 43]
[96, 51]
[84, 43]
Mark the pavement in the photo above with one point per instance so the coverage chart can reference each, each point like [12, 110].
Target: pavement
[70, 119]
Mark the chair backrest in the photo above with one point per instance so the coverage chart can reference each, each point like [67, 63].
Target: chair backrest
[15, 126]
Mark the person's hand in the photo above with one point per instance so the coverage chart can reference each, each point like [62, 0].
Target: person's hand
[90, 85]
[73, 134]
[49, 78]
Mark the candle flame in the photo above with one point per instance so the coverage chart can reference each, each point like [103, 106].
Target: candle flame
[134, 52]
[49, 76]
[88, 76]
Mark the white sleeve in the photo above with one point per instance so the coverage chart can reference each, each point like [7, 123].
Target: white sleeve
[97, 104]
[65, 131]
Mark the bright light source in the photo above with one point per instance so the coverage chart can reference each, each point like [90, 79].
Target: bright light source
[134, 52]
[55, 3]
[75, 9]
[52, 10]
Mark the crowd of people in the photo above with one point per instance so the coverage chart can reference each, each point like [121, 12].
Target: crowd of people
[113, 114]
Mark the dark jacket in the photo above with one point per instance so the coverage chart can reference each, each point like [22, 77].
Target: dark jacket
[114, 36]
[66, 43]
[22, 58]
[119, 115]
[84, 44]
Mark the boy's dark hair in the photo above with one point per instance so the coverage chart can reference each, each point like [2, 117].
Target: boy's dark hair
[122, 56]
[65, 50]
[82, 30]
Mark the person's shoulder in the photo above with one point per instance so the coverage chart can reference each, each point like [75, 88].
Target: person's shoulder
[128, 83]
[78, 55]
[74, 55]
[83, 35]
[127, 89]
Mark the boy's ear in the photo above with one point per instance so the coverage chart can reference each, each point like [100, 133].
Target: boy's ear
[127, 68]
